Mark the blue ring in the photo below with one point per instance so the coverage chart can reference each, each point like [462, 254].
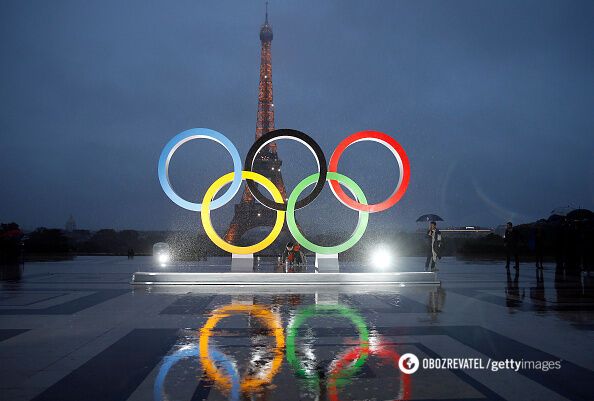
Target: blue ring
[180, 139]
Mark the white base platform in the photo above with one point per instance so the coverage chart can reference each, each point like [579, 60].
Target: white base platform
[242, 263]
[277, 279]
[327, 263]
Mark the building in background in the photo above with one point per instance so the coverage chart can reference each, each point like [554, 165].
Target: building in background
[70, 224]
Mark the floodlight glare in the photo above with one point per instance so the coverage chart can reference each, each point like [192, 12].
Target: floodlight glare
[162, 253]
[163, 258]
[381, 258]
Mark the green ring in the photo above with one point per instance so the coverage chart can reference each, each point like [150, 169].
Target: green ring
[361, 223]
[307, 312]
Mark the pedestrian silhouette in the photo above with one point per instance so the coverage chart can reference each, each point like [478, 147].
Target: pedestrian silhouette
[433, 238]
[538, 247]
[511, 241]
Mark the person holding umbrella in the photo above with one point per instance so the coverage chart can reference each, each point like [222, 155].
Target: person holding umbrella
[434, 247]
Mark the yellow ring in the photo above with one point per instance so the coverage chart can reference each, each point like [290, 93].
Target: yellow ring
[212, 234]
[271, 320]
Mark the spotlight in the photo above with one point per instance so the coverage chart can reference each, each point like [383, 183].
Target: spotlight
[162, 253]
[381, 258]
[163, 258]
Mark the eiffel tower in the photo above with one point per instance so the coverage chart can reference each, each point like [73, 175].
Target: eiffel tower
[250, 213]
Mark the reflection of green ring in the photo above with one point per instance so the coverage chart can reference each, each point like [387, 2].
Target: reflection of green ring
[361, 223]
[310, 311]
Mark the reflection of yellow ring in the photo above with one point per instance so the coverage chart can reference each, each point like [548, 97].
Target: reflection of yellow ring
[271, 320]
[212, 192]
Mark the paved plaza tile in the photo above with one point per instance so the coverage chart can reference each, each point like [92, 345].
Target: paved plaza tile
[78, 330]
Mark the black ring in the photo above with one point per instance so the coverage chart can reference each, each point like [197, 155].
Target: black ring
[288, 134]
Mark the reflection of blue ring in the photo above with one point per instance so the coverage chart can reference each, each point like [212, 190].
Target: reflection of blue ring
[193, 351]
[227, 364]
[168, 363]
[180, 139]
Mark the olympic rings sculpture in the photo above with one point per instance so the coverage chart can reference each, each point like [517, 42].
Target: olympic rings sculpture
[325, 173]
[269, 318]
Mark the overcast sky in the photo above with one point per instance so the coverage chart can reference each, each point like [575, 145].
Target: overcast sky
[493, 101]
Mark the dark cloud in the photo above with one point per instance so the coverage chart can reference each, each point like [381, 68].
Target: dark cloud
[492, 101]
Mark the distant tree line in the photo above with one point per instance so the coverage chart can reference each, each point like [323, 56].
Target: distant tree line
[561, 238]
[48, 243]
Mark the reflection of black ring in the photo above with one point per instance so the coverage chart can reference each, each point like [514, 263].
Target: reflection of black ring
[297, 136]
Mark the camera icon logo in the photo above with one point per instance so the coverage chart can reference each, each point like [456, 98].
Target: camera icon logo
[408, 363]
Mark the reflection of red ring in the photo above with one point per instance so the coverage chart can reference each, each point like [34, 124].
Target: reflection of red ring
[349, 357]
[398, 152]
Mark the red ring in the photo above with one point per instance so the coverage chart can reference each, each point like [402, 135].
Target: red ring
[349, 357]
[399, 153]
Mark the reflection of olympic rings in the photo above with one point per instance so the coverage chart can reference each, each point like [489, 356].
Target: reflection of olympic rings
[270, 319]
[324, 173]
[192, 351]
[316, 310]
[297, 136]
[220, 358]
[205, 213]
[354, 355]
[167, 364]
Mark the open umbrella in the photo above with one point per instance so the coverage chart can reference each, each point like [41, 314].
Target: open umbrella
[429, 217]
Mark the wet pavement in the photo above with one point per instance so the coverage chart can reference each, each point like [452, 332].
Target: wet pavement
[78, 330]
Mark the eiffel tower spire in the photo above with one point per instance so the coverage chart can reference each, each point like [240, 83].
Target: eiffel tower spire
[249, 213]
